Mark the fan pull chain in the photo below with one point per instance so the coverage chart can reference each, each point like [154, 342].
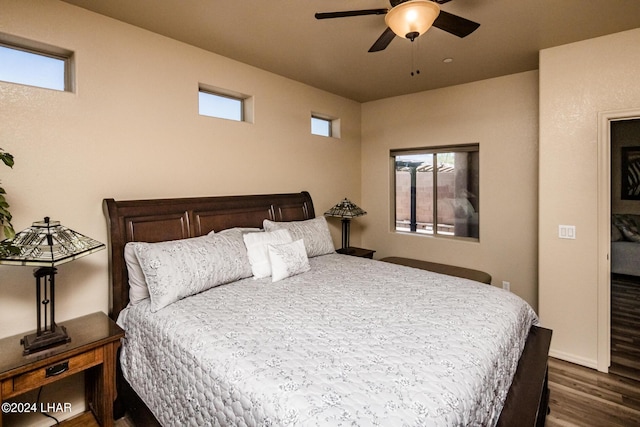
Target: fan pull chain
[414, 47]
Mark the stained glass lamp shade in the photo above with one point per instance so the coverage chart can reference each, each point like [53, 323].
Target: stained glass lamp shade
[346, 210]
[47, 244]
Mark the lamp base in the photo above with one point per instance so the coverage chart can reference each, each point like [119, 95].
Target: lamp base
[346, 251]
[33, 342]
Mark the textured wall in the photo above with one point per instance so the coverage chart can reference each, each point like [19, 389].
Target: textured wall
[502, 116]
[577, 82]
[132, 130]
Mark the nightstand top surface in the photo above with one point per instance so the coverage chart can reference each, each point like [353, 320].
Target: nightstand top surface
[354, 251]
[86, 332]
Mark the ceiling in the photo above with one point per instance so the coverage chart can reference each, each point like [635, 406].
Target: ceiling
[284, 37]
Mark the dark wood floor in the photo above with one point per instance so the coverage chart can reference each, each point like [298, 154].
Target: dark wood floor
[625, 326]
[584, 397]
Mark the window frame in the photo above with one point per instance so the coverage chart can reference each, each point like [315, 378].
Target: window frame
[333, 124]
[327, 122]
[218, 95]
[246, 103]
[44, 50]
[394, 153]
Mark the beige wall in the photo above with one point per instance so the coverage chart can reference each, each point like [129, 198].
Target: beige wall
[132, 130]
[577, 82]
[502, 116]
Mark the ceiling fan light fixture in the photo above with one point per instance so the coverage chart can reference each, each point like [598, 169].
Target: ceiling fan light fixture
[411, 17]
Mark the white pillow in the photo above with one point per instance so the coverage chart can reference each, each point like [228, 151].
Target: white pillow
[314, 232]
[177, 269]
[235, 229]
[288, 259]
[256, 244]
[138, 290]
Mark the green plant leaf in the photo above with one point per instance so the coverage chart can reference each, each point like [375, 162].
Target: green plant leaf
[6, 158]
[9, 232]
[5, 215]
[6, 248]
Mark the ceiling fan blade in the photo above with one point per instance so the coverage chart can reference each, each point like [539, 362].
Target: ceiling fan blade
[383, 41]
[329, 15]
[456, 25]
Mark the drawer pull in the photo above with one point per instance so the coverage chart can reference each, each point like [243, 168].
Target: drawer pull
[58, 369]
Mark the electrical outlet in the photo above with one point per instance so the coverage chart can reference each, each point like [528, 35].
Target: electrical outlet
[506, 285]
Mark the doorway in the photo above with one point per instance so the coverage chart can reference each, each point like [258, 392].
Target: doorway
[605, 194]
[625, 248]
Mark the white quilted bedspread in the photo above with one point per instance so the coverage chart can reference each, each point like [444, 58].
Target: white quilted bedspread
[353, 342]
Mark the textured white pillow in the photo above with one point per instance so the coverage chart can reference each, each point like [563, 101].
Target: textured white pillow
[314, 232]
[177, 269]
[256, 244]
[138, 290]
[236, 229]
[288, 259]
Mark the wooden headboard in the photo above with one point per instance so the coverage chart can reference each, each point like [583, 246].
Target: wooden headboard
[171, 219]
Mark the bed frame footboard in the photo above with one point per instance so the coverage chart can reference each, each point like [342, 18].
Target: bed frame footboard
[527, 403]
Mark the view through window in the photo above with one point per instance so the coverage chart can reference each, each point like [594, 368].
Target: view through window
[33, 68]
[320, 126]
[437, 191]
[220, 106]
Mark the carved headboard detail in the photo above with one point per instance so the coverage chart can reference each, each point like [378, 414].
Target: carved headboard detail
[171, 219]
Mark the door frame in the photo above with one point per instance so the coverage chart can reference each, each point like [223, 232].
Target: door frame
[604, 230]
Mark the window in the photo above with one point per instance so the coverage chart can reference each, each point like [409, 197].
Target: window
[437, 191]
[220, 106]
[325, 126]
[320, 126]
[43, 69]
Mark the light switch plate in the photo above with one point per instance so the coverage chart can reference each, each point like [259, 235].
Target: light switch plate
[567, 231]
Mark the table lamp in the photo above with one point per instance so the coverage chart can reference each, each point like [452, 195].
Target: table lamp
[346, 210]
[47, 244]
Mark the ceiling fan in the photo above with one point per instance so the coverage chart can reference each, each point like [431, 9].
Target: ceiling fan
[410, 19]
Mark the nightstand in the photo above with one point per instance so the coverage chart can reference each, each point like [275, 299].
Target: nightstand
[95, 339]
[359, 252]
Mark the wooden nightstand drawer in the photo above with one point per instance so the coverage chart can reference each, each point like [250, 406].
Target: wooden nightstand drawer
[50, 373]
[95, 339]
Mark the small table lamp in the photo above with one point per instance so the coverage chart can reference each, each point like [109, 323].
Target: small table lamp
[346, 210]
[47, 244]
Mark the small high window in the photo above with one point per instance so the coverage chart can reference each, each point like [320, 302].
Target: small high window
[40, 68]
[320, 126]
[220, 106]
[224, 104]
[325, 126]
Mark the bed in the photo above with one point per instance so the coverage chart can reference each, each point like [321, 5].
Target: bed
[342, 341]
[625, 244]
